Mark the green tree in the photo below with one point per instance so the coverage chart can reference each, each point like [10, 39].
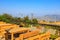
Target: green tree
[34, 21]
[27, 20]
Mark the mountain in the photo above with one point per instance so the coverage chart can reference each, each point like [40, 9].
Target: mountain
[50, 18]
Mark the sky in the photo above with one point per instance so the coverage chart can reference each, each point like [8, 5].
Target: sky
[22, 8]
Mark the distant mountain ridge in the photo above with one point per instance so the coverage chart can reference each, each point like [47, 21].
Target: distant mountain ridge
[50, 18]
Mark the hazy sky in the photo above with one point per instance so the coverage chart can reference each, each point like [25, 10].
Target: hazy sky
[26, 7]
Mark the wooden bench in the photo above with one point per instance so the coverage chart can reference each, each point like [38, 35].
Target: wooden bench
[40, 37]
[28, 34]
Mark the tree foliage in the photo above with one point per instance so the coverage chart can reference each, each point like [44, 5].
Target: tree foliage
[17, 20]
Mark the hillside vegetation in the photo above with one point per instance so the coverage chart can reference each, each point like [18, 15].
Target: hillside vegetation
[25, 21]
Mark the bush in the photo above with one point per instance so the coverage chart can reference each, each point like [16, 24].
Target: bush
[54, 36]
